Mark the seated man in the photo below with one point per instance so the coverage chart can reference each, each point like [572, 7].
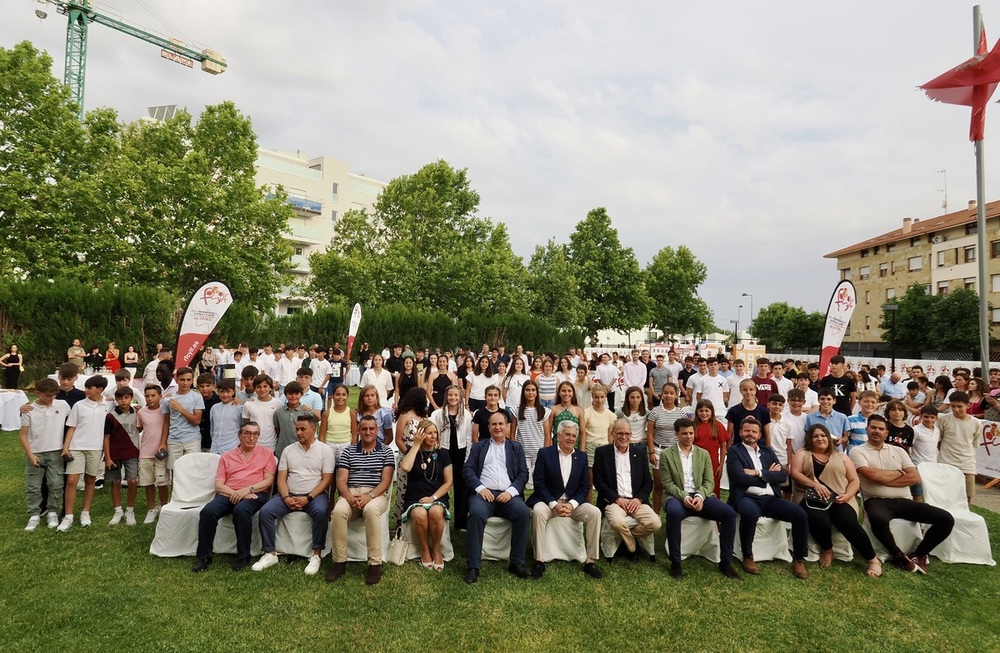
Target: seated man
[755, 480]
[623, 482]
[689, 485]
[562, 485]
[497, 471]
[364, 476]
[243, 483]
[305, 472]
[886, 476]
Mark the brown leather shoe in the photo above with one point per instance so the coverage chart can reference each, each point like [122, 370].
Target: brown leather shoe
[374, 575]
[336, 571]
[799, 569]
[750, 566]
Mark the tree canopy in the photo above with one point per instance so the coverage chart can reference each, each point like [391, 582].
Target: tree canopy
[672, 280]
[780, 326]
[934, 322]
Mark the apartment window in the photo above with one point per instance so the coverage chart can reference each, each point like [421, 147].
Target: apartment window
[995, 316]
[890, 293]
[298, 251]
[940, 259]
[916, 263]
[864, 253]
[868, 322]
[335, 189]
[333, 216]
[971, 228]
[914, 241]
[868, 296]
[927, 288]
[995, 249]
[891, 247]
[970, 254]
[942, 288]
[970, 283]
[864, 272]
[845, 274]
[995, 283]
[875, 250]
[883, 269]
[292, 310]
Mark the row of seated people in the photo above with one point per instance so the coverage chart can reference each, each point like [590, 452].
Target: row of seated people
[496, 471]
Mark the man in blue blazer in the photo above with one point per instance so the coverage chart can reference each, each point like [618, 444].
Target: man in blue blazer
[497, 472]
[755, 479]
[562, 486]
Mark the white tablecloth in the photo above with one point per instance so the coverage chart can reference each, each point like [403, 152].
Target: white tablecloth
[10, 407]
[353, 377]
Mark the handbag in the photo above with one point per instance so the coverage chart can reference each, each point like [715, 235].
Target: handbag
[398, 548]
[816, 502]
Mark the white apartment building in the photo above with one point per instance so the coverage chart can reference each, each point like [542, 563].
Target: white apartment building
[321, 190]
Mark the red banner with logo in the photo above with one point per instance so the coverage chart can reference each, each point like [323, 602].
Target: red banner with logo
[207, 306]
[838, 315]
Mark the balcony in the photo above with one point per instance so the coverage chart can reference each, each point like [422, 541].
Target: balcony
[300, 264]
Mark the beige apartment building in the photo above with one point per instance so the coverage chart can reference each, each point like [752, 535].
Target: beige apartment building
[320, 190]
[938, 253]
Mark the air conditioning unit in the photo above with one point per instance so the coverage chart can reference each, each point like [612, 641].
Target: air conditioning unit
[937, 240]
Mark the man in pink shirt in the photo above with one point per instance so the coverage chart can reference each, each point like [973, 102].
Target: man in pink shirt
[243, 484]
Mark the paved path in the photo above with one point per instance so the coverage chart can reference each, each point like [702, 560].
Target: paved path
[989, 499]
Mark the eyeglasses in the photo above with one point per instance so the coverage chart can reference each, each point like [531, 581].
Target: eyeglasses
[253, 434]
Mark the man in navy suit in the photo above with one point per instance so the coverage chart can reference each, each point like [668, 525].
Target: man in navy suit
[562, 486]
[496, 470]
[755, 480]
[623, 482]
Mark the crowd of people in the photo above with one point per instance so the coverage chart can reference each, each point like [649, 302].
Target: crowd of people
[468, 436]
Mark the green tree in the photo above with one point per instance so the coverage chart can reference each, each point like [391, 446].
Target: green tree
[612, 291]
[915, 313]
[554, 286]
[955, 325]
[672, 279]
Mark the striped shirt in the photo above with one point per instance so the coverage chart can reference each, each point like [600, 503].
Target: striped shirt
[365, 469]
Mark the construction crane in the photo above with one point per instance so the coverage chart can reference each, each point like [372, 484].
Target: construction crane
[80, 14]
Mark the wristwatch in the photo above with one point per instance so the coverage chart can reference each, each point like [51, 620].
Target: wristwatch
[372, 494]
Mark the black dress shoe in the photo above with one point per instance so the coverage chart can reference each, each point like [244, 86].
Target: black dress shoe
[519, 570]
[652, 558]
[239, 564]
[471, 576]
[727, 570]
[591, 570]
[539, 570]
[201, 565]
[676, 571]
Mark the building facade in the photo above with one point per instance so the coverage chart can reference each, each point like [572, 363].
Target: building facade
[320, 190]
[937, 253]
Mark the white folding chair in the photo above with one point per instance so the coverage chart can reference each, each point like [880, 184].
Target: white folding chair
[293, 536]
[193, 487]
[842, 549]
[770, 541]
[357, 538]
[907, 535]
[969, 541]
[699, 537]
[564, 540]
[610, 539]
[413, 553]
[496, 539]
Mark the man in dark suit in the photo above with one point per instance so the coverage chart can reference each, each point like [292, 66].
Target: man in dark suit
[755, 480]
[689, 483]
[562, 486]
[497, 471]
[623, 482]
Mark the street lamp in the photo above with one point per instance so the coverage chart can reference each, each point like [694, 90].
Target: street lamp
[750, 295]
[891, 309]
[736, 330]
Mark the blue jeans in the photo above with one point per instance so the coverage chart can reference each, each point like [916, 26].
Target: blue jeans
[714, 510]
[752, 507]
[276, 509]
[242, 512]
[515, 511]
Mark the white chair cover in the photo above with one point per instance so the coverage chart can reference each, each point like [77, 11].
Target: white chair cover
[944, 487]
[906, 533]
[413, 553]
[699, 537]
[177, 525]
[610, 539]
[724, 480]
[770, 540]
[564, 540]
[357, 539]
[496, 539]
[842, 549]
[293, 535]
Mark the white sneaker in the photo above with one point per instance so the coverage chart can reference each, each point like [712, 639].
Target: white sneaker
[64, 525]
[313, 565]
[85, 518]
[130, 518]
[266, 560]
[35, 519]
[53, 520]
[115, 519]
[150, 516]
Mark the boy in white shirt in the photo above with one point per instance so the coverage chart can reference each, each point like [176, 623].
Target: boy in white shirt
[781, 436]
[796, 420]
[83, 448]
[42, 440]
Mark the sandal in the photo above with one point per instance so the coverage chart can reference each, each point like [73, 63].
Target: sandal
[438, 567]
[426, 565]
[874, 568]
[826, 558]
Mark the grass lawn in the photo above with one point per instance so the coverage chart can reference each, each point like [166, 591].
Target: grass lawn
[98, 588]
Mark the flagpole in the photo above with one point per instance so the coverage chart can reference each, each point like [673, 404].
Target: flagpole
[984, 325]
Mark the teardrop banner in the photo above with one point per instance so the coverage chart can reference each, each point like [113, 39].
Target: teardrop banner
[352, 332]
[838, 315]
[207, 306]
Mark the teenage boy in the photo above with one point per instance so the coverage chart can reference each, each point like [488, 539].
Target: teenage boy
[310, 399]
[868, 403]
[206, 388]
[153, 473]
[225, 419]
[286, 415]
[123, 379]
[765, 384]
[781, 437]
[713, 387]
[810, 401]
[246, 391]
[834, 421]
[659, 376]
[121, 454]
[481, 418]
[739, 375]
[924, 448]
[960, 436]
[181, 419]
[778, 376]
[337, 369]
[41, 436]
[796, 420]
[82, 448]
[845, 391]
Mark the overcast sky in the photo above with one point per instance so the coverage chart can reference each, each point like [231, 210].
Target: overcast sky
[762, 135]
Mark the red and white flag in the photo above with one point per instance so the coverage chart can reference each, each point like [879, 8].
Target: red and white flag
[207, 306]
[838, 315]
[352, 332]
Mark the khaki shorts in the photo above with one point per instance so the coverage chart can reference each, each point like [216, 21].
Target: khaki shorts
[85, 462]
[129, 466]
[153, 472]
[178, 449]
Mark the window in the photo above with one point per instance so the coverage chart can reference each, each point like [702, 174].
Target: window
[971, 228]
[335, 189]
[995, 316]
[890, 293]
[333, 216]
[868, 296]
[298, 251]
[927, 288]
[969, 283]
[916, 263]
[914, 241]
[864, 272]
[942, 288]
[864, 253]
[845, 274]
[995, 249]
[883, 269]
[970, 254]
[995, 283]
[890, 247]
[875, 250]
[292, 310]
[940, 259]
[868, 322]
